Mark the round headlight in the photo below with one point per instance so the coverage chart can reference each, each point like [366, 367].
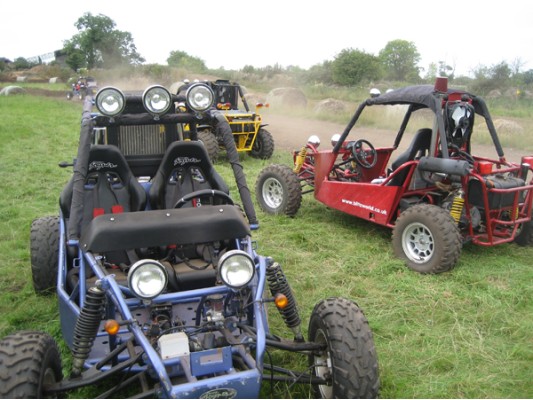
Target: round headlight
[110, 101]
[236, 269]
[335, 139]
[314, 140]
[157, 100]
[147, 279]
[199, 97]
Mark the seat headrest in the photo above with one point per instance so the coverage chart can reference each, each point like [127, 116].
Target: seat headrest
[108, 158]
[185, 154]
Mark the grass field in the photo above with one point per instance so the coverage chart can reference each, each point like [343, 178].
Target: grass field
[463, 334]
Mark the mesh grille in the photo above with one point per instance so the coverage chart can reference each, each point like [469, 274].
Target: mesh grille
[142, 140]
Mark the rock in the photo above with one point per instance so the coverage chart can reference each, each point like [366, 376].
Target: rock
[253, 98]
[330, 106]
[507, 126]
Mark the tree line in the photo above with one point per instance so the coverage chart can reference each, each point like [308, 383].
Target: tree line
[99, 44]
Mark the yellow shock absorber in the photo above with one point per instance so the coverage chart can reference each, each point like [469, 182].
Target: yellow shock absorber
[300, 158]
[457, 206]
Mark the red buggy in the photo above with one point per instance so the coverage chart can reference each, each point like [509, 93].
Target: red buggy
[436, 195]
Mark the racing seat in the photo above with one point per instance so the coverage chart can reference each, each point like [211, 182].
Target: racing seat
[110, 186]
[185, 168]
[418, 148]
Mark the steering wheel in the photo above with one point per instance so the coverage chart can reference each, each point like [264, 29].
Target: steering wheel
[463, 155]
[364, 153]
[212, 193]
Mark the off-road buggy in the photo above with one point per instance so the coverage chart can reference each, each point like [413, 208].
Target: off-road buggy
[82, 87]
[435, 195]
[247, 126]
[161, 292]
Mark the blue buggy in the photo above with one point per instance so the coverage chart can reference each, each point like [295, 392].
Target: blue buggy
[161, 292]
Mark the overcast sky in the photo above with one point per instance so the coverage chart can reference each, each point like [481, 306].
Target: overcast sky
[232, 34]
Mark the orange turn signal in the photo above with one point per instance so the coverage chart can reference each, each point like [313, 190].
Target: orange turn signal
[111, 326]
[223, 106]
[281, 301]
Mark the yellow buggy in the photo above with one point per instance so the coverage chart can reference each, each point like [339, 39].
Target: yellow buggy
[248, 129]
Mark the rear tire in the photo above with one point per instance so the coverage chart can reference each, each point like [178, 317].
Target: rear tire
[350, 356]
[525, 235]
[426, 237]
[29, 361]
[263, 146]
[44, 249]
[278, 190]
[210, 142]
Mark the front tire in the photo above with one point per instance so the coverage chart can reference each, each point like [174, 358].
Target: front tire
[278, 190]
[29, 361]
[349, 360]
[427, 238]
[210, 142]
[44, 249]
[263, 146]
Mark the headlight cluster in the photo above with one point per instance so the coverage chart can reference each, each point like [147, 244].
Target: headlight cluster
[147, 279]
[236, 269]
[156, 99]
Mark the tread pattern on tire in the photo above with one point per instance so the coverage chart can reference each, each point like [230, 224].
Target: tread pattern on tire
[44, 249]
[210, 142]
[451, 237]
[267, 145]
[353, 352]
[21, 357]
[294, 190]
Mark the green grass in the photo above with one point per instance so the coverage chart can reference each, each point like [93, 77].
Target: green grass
[463, 334]
[54, 87]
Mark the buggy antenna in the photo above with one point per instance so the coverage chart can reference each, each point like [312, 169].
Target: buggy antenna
[224, 130]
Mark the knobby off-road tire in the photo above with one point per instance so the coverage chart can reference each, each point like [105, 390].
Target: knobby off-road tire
[28, 362]
[263, 147]
[525, 236]
[350, 356]
[278, 190]
[44, 249]
[210, 142]
[426, 237]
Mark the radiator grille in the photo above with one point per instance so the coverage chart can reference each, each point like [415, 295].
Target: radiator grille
[140, 140]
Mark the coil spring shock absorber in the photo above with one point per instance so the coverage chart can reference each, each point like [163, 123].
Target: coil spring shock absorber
[300, 158]
[86, 328]
[456, 209]
[277, 283]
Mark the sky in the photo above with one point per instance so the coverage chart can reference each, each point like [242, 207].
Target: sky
[235, 33]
